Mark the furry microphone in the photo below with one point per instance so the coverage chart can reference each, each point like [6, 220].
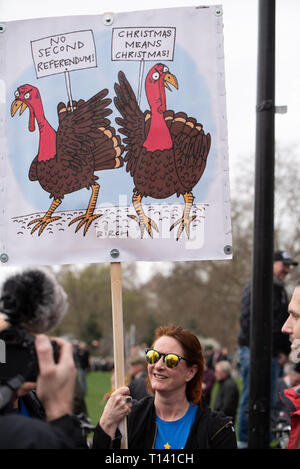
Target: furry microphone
[34, 300]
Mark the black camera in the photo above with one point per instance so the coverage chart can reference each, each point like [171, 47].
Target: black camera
[21, 358]
[32, 303]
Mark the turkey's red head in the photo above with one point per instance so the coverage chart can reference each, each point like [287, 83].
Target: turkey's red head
[157, 80]
[27, 96]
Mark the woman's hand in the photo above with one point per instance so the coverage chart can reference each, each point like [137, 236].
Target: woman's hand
[117, 408]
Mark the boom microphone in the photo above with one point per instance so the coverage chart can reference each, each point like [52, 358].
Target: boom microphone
[34, 300]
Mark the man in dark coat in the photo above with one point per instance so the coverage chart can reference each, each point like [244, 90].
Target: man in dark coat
[291, 396]
[227, 397]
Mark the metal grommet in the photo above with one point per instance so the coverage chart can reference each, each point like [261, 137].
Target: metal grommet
[108, 19]
[114, 253]
[2, 27]
[219, 12]
[4, 257]
[228, 249]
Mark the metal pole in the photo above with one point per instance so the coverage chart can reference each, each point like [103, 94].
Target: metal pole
[262, 260]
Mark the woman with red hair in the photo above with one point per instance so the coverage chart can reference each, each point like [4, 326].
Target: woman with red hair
[175, 416]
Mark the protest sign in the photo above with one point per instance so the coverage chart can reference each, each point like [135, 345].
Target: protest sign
[81, 178]
[64, 53]
[155, 44]
[130, 177]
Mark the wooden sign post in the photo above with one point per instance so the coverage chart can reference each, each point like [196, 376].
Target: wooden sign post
[118, 335]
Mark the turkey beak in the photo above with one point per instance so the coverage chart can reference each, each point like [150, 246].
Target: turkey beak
[16, 105]
[170, 78]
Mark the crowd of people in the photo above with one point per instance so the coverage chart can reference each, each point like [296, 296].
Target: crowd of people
[178, 394]
[281, 338]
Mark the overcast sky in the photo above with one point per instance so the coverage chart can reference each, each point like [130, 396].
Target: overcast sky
[240, 41]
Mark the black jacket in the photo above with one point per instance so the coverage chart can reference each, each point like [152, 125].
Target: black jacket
[21, 432]
[280, 341]
[138, 387]
[227, 397]
[211, 430]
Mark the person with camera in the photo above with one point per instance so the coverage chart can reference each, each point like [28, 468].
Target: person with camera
[33, 303]
[176, 416]
[54, 388]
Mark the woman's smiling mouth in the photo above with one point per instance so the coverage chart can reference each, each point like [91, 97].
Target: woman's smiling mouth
[159, 376]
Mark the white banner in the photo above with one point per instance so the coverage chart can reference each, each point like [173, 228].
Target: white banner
[126, 159]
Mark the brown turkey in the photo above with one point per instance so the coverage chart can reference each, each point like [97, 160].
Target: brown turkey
[166, 152]
[67, 158]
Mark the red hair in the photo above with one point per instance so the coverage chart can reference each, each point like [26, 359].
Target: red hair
[192, 352]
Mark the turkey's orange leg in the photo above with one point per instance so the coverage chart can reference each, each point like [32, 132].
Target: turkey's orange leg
[41, 223]
[142, 219]
[89, 215]
[185, 220]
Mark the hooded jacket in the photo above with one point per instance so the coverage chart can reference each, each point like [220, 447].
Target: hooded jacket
[210, 430]
[291, 398]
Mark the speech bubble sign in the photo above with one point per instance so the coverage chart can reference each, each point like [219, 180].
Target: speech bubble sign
[64, 53]
[143, 43]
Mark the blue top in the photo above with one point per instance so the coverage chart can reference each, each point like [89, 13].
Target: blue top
[173, 435]
[22, 408]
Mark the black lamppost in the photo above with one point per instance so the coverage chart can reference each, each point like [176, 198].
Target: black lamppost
[262, 260]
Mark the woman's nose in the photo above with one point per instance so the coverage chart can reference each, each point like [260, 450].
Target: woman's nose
[160, 363]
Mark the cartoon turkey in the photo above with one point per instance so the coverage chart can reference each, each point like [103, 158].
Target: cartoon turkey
[166, 153]
[67, 158]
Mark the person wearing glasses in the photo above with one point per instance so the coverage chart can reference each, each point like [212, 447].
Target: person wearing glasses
[175, 416]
